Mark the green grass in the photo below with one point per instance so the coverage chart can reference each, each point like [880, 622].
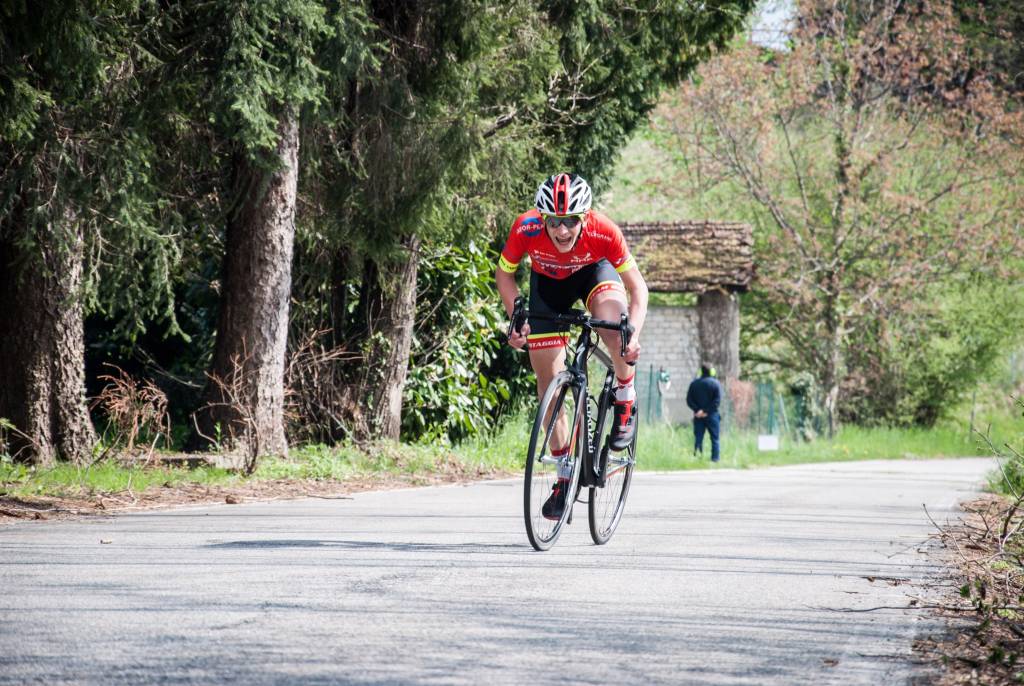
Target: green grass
[662, 448]
[671, 448]
[66, 480]
[316, 462]
[666, 448]
[323, 462]
[504, 449]
[1007, 438]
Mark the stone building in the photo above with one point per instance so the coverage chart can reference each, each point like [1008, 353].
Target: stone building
[714, 261]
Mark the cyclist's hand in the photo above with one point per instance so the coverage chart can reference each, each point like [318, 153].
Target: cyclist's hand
[518, 340]
[632, 349]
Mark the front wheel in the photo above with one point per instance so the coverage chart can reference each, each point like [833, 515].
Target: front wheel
[607, 503]
[554, 452]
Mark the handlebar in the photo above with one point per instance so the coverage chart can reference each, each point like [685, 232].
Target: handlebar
[575, 318]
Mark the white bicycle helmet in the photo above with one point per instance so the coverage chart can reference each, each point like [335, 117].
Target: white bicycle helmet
[563, 194]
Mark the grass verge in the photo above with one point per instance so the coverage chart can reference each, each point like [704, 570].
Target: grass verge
[671, 448]
[108, 476]
[662, 448]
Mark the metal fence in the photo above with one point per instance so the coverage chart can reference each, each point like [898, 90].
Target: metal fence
[762, 407]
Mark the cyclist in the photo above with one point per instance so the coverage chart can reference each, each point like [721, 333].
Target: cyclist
[577, 253]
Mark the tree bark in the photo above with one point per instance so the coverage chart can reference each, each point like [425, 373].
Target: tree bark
[391, 343]
[833, 354]
[718, 315]
[42, 343]
[830, 384]
[245, 396]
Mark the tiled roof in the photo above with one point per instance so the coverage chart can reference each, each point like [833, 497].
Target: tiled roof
[692, 256]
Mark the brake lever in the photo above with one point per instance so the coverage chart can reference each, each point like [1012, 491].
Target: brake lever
[625, 333]
[516, 321]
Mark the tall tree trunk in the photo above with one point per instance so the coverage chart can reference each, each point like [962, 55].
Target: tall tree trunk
[391, 343]
[718, 315]
[42, 344]
[833, 355]
[831, 387]
[246, 394]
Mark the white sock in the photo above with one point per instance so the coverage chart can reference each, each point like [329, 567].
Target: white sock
[624, 389]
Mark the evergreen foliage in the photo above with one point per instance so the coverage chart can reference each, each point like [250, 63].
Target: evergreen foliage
[454, 390]
[616, 59]
[424, 124]
[77, 158]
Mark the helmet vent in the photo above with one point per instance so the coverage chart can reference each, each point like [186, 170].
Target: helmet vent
[563, 194]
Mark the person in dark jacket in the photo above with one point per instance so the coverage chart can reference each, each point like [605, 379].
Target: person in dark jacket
[704, 397]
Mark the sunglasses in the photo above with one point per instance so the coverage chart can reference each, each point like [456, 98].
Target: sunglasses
[570, 221]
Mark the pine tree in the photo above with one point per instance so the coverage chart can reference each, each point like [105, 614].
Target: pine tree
[476, 95]
[259, 59]
[72, 186]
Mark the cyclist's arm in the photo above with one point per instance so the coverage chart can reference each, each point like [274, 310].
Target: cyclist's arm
[636, 287]
[507, 288]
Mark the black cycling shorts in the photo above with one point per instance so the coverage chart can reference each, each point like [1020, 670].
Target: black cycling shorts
[557, 296]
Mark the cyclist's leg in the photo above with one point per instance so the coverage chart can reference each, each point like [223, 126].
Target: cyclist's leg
[606, 299]
[610, 305]
[547, 341]
[547, 363]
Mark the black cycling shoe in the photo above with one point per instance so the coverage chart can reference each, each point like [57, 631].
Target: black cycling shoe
[625, 425]
[554, 506]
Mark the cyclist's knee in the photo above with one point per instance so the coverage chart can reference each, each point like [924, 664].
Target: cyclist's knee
[608, 305]
[546, 363]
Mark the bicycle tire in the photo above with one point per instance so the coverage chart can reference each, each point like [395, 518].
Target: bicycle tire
[606, 504]
[541, 472]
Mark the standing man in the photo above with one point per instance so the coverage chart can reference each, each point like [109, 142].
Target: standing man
[704, 397]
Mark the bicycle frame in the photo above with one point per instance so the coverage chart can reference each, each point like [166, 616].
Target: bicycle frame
[595, 456]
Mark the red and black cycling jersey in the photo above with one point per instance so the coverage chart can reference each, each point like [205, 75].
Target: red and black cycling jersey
[599, 239]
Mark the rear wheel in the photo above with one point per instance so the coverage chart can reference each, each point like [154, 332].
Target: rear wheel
[607, 503]
[556, 427]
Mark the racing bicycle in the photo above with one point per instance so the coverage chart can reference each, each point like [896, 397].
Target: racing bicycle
[569, 411]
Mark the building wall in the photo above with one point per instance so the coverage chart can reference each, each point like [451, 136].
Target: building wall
[669, 341]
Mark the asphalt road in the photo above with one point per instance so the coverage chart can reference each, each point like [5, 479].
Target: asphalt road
[721, 576]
